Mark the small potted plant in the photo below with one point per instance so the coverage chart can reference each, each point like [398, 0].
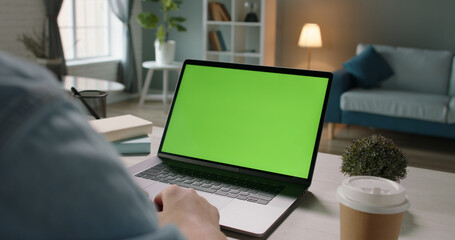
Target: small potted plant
[376, 156]
[164, 48]
[38, 46]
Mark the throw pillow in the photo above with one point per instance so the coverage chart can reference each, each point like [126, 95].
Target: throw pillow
[368, 68]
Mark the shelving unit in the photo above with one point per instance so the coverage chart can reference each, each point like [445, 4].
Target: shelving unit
[246, 42]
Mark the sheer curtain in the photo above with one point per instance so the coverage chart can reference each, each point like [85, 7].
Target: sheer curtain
[122, 9]
[55, 48]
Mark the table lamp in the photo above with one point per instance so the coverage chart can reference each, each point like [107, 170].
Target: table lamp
[310, 37]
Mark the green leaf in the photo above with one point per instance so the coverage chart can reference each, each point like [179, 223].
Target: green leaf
[177, 19]
[160, 34]
[174, 6]
[150, 20]
[147, 20]
[180, 28]
[171, 5]
[167, 4]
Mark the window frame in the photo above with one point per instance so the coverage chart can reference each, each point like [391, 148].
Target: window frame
[111, 41]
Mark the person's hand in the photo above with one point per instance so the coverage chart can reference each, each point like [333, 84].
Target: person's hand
[195, 217]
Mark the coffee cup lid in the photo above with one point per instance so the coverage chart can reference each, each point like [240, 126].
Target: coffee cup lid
[373, 195]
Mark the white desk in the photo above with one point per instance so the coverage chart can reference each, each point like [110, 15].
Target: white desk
[153, 66]
[316, 214]
[85, 83]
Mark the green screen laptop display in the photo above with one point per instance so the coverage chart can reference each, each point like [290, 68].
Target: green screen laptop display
[259, 120]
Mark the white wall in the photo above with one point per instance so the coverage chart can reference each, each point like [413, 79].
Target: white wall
[344, 24]
[17, 17]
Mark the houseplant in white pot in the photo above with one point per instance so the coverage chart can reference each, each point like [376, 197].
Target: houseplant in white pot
[164, 48]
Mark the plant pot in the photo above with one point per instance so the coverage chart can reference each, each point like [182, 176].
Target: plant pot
[164, 52]
[53, 64]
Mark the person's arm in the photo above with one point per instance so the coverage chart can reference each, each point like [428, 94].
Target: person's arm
[58, 178]
[194, 216]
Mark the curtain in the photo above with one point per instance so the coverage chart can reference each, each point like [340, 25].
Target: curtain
[122, 9]
[54, 46]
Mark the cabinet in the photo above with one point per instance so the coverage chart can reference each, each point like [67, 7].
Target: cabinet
[244, 42]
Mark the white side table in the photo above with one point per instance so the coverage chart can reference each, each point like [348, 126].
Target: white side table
[152, 66]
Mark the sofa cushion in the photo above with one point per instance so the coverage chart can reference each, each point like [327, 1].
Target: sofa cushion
[417, 70]
[428, 107]
[451, 113]
[452, 79]
[368, 68]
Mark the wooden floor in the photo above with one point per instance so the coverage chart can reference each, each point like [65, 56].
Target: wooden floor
[422, 151]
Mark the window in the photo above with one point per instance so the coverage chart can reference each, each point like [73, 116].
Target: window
[87, 29]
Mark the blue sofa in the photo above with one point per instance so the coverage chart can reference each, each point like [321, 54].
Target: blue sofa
[419, 97]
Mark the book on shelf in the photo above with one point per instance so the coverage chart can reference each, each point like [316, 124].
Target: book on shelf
[219, 12]
[214, 41]
[224, 12]
[214, 11]
[122, 127]
[133, 146]
[221, 40]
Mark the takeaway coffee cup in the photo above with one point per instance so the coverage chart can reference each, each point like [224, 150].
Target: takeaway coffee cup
[371, 208]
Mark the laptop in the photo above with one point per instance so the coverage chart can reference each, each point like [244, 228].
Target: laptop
[245, 137]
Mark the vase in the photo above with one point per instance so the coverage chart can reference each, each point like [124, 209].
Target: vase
[164, 52]
[251, 15]
[53, 64]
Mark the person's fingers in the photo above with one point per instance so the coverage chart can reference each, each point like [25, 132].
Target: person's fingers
[174, 194]
[193, 214]
[159, 201]
[212, 209]
[161, 197]
[215, 213]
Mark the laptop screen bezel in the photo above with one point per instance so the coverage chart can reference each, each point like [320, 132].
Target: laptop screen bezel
[249, 171]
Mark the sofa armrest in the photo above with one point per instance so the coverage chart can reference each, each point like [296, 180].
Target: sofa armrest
[342, 82]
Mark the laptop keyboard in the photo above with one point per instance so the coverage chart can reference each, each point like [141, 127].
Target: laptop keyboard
[233, 187]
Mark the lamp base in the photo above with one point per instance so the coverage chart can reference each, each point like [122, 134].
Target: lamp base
[251, 17]
[309, 59]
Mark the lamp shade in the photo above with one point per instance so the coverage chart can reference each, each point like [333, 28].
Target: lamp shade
[310, 36]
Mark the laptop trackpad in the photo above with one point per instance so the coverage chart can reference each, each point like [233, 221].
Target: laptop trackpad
[217, 201]
[154, 189]
[142, 182]
[249, 217]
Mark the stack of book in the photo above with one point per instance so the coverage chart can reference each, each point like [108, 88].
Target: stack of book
[127, 133]
[219, 12]
[217, 41]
